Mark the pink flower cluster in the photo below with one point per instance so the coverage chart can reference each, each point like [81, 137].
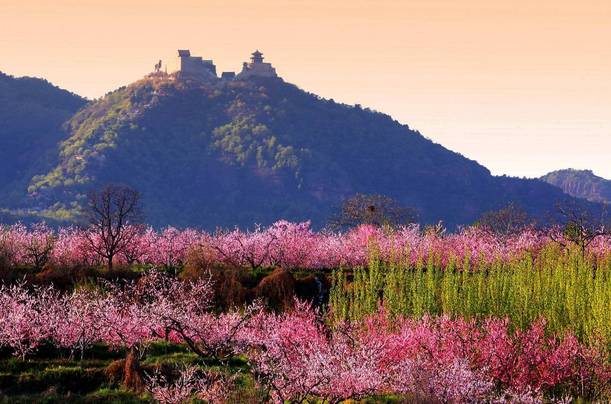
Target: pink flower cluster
[285, 244]
[441, 360]
[191, 382]
[299, 354]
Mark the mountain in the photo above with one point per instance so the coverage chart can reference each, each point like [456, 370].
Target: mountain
[238, 152]
[32, 112]
[581, 184]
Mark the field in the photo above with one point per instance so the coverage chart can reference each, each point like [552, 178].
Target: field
[287, 314]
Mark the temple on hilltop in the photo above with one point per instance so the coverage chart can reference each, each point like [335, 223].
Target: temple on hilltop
[257, 67]
[195, 66]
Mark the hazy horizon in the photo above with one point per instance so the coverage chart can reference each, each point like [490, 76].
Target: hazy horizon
[524, 88]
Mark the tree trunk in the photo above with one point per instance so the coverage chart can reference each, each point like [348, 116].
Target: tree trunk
[132, 378]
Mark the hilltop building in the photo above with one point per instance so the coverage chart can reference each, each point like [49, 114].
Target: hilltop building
[195, 66]
[257, 67]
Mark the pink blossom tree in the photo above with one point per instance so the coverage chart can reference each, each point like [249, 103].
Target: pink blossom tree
[25, 317]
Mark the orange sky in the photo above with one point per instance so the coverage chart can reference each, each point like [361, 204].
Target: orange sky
[523, 87]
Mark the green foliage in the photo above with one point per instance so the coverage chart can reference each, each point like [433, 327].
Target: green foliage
[568, 290]
[245, 141]
[93, 131]
[32, 112]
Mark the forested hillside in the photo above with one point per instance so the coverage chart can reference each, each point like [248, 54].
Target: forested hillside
[253, 151]
[32, 112]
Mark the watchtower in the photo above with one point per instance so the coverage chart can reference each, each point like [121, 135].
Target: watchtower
[256, 57]
[257, 67]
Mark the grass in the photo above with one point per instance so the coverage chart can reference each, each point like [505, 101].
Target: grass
[51, 376]
[102, 395]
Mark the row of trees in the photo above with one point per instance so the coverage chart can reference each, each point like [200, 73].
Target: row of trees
[115, 216]
[581, 224]
[115, 233]
[283, 244]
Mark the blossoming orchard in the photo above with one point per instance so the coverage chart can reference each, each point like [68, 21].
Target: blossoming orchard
[289, 314]
[283, 244]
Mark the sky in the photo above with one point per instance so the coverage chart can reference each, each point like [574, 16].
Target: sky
[522, 86]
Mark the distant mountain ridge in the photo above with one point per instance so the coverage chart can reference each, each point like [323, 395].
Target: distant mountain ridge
[581, 184]
[254, 150]
[32, 112]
